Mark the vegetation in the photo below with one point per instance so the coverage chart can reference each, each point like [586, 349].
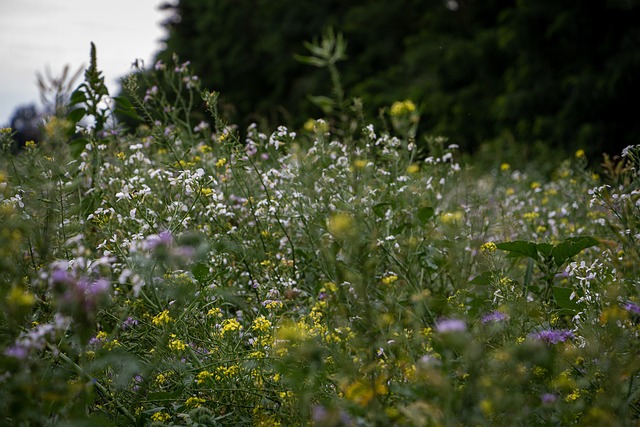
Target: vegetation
[334, 276]
[516, 76]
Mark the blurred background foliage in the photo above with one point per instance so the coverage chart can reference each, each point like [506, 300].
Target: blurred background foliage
[522, 75]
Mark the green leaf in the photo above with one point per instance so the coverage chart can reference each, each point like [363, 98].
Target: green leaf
[520, 248]
[200, 272]
[425, 213]
[76, 146]
[562, 297]
[483, 279]
[323, 102]
[571, 247]
[380, 210]
[544, 249]
[76, 115]
[78, 97]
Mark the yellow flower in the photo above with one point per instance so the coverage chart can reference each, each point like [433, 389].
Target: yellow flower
[5, 130]
[341, 224]
[206, 191]
[535, 185]
[505, 167]
[162, 318]
[580, 154]
[203, 376]
[488, 247]
[221, 162]
[388, 280]
[573, 396]
[20, 297]
[309, 125]
[176, 344]
[451, 217]
[361, 392]
[30, 144]
[360, 164]
[400, 108]
[230, 325]
[194, 402]
[214, 312]
[486, 407]
[413, 168]
[120, 155]
[261, 324]
[160, 417]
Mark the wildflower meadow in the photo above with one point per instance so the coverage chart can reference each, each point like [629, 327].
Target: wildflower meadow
[193, 273]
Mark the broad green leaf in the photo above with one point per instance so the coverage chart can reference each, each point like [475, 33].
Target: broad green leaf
[520, 248]
[425, 213]
[571, 247]
[562, 297]
[125, 107]
[78, 97]
[545, 249]
[76, 115]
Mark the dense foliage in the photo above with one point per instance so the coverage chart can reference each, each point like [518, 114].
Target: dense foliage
[184, 277]
[555, 73]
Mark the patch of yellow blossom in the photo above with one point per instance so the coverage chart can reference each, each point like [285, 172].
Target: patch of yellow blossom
[176, 344]
[400, 108]
[160, 417]
[20, 297]
[488, 247]
[261, 324]
[162, 318]
[214, 312]
[203, 376]
[341, 224]
[361, 392]
[194, 402]
[389, 280]
[230, 325]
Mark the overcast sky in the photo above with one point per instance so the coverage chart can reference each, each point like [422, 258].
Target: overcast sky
[35, 34]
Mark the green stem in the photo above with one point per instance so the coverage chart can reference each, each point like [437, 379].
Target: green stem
[94, 381]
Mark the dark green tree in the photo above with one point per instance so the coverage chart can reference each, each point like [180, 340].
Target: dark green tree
[562, 74]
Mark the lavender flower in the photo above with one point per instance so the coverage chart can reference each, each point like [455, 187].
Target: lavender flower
[129, 323]
[450, 325]
[495, 316]
[632, 308]
[548, 398]
[552, 336]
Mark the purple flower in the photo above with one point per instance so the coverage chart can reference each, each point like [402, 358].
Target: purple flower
[450, 325]
[495, 316]
[17, 351]
[548, 398]
[632, 308]
[129, 323]
[59, 276]
[552, 336]
[99, 287]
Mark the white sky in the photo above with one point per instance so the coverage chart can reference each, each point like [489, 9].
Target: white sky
[36, 34]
